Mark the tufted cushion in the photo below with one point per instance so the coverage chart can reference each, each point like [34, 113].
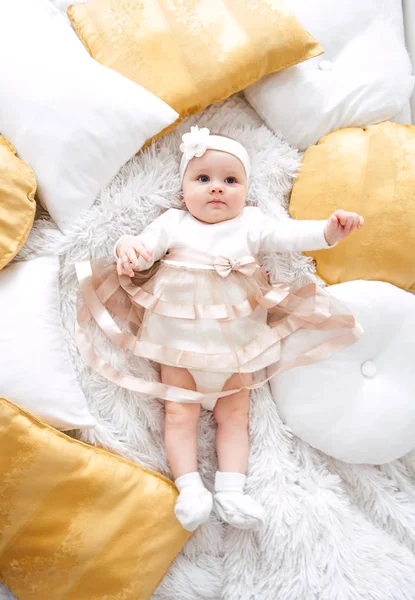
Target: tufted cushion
[359, 405]
[363, 78]
[370, 171]
[17, 202]
[76, 521]
[192, 54]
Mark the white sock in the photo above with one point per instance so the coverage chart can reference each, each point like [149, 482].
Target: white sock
[232, 505]
[194, 504]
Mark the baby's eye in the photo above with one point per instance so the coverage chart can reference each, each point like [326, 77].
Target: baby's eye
[203, 178]
[230, 180]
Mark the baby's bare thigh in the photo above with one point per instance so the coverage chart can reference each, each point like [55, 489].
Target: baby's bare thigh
[178, 377]
[236, 405]
[238, 380]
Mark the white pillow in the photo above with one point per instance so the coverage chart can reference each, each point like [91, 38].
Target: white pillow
[363, 78]
[73, 120]
[35, 368]
[359, 405]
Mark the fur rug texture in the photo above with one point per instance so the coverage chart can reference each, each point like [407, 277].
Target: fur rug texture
[333, 531]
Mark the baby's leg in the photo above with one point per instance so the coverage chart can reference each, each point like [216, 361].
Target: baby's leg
[231, 414]
[194, 504]
[232, 442]
[180, 424]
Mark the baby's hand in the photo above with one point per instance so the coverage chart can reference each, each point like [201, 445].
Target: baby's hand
[129, 248]
[341, 224]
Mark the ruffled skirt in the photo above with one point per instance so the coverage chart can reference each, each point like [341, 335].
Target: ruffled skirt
[186, 312]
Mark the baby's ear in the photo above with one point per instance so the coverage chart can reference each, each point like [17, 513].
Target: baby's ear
[181, 198]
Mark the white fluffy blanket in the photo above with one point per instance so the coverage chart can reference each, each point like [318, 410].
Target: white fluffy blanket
[333, 531]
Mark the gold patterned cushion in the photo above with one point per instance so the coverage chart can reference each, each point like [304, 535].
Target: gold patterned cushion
[77, 521]
[192, 54]
[370, 171]
[17, 202]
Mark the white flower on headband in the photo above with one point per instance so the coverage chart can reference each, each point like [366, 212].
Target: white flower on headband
[195, 143]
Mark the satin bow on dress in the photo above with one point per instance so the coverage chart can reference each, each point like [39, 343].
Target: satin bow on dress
[224, 266]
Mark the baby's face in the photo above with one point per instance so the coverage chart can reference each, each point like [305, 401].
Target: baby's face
[215, 187]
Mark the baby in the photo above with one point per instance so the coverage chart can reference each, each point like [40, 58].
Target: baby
[206, 312]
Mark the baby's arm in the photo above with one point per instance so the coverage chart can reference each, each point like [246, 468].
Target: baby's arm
[141, 251]
[290, 235]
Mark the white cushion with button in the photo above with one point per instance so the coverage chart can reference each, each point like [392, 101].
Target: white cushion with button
[359, 404]
[363, 78]
[325, 65]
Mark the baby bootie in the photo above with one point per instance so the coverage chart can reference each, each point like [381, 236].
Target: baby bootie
[232, 505]
[194, 503]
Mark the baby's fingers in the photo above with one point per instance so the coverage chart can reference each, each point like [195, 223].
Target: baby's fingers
[341, 216]
[356, 221]
[333, 220]
[143, 251]
[348, 220]
[120, 267]
[124, 267]
[350, 223]
[132, 256]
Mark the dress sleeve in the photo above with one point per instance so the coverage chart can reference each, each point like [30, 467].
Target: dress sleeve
[289, 235]
[156, 237]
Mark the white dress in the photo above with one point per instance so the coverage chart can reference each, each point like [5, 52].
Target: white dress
[203, 303]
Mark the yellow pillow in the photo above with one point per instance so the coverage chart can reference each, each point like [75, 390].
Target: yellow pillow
[77, 521]
[370, 171]
[192, 54]
[17, 202]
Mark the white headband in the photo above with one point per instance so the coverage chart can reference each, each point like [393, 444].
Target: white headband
[198, 141]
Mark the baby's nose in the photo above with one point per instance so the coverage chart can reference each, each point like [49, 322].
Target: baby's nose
[216, 188]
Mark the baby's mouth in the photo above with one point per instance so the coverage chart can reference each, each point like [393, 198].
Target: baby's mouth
[216, 201]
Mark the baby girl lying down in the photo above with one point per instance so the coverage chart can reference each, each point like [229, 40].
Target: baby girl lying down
[203, 309]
